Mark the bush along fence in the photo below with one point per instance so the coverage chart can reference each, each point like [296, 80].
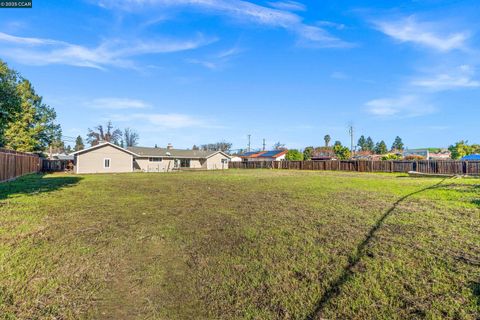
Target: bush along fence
[15, 164]
[425, 166]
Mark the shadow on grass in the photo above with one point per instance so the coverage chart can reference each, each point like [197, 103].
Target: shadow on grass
[346, 275]
[475, 286]
[34, 184]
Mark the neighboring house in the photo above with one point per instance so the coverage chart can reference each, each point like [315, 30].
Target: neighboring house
[61, 156]
[442, 155]
[104, 158]
[274, 155]
[417, 152]
[324, 153]
[471, 157]
[168, 159]
[109, 158]
[428, 154]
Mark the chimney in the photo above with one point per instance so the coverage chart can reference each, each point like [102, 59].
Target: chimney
[169, 146]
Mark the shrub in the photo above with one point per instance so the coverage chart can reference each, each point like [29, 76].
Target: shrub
[294, 155]
[414, 157]
[392, 156]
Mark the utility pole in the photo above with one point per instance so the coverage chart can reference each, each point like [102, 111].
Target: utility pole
[263, 144]
[351, 132]
[249, 145]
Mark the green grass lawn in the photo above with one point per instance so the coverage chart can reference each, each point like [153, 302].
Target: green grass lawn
[242, 244]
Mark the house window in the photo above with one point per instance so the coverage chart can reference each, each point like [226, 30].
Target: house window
[106, 163]
[155, 159]
[184, 163]
[224, 161]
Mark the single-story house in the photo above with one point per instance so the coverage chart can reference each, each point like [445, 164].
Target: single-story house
[274, 155]
[109, 158]
[324, 153]
[429, 154]
[61, 156]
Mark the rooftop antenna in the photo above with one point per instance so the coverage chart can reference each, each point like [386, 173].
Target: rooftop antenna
[263, 144]
[249, 145]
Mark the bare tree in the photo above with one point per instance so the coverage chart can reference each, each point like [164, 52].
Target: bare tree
[279, 146]
[130, 137]
[218, 146]
[99, 134]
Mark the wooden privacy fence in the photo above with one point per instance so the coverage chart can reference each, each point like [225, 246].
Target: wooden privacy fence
[15, 164]
[424, 166]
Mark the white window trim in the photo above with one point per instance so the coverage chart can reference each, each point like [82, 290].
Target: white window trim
[109, 163]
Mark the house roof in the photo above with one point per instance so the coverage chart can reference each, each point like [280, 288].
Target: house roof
[102, 145]
[273, 154]
[472, 157]
[174, 153]
[264, 154]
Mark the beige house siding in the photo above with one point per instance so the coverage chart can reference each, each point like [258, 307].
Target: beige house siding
[144, 164]
[215, 162]
[167, 165]
[93, 160]
[196, 163]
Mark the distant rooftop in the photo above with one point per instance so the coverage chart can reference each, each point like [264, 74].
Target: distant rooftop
[167, 152]
[264, 154]
[472, 157]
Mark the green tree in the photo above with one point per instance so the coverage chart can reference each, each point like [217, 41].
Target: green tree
[99, 135]
[362, 143]
[341, 152]
[34, 127]
[307, 153]
[327, 140]
[369, 144]
[461, 149]
[381, 147]
[10, 102]
[79, 144]
[294, 155]
[397, 144]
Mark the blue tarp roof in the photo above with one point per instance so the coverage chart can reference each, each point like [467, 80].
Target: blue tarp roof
[472, 157]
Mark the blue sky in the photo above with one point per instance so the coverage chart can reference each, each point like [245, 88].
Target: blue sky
[199, 71]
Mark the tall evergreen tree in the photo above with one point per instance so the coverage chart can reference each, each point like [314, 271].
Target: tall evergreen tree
[397, 144]
[34, 127]
[369, 145]
[10, 103]
[381, 147]
[79, 144]
[362, 143]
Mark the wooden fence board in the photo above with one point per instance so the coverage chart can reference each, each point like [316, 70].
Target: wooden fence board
[452, 167]
[15, 164]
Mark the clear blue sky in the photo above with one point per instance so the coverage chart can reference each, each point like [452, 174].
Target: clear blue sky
[198, 71]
